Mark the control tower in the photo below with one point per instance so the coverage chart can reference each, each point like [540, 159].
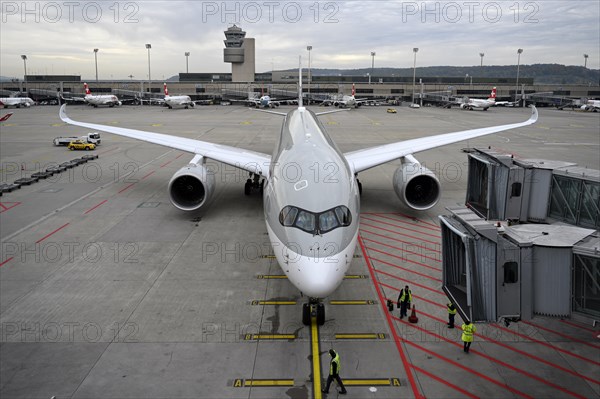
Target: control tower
[239, 51]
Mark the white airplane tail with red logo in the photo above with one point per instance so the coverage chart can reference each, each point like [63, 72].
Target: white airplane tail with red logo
[87, 89]
[5, 117]
[353, 90]
[492, 96]
[165, 89]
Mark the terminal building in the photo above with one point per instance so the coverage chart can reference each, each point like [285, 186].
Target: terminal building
[526, 243]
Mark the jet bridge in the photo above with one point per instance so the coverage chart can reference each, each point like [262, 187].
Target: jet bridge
[527, 242]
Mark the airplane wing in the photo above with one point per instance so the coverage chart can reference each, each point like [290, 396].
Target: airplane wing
[370, 157]
[251, 161]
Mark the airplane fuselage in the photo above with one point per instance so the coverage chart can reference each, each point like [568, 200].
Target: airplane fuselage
[178, 101]
[311, 204]
[110, 100]
[16, 102]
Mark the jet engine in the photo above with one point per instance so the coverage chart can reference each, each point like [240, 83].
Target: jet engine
[191, 187]
[415, 185]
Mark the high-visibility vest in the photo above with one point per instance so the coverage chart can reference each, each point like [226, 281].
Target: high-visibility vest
[335, 360]
[451, 308]
[468, 331]
[403, 296]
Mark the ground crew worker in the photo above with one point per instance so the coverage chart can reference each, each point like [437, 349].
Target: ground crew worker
[334, 373]
[451, 313]
[404, 300]
[467, 335]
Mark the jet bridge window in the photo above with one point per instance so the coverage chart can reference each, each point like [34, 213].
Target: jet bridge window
[315, 223]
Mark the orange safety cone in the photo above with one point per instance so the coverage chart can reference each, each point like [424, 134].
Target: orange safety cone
[413, 315]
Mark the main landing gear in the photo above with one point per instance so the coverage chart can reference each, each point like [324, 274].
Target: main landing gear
[254, 184]
[314, 308]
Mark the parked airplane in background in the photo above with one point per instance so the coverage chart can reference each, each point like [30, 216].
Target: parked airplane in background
[177, 101]
[473, 103]
[16, 102]
[349, 101]
[313, 224]
[101, 99]
[5, 117]
[591, 105]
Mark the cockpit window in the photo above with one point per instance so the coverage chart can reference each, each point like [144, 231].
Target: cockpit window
[305, 221]
[315, 223]
[288, 215]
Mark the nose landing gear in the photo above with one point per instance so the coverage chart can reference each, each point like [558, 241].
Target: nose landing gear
[313, 308]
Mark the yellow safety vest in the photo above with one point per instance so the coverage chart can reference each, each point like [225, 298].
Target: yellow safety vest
[403, 297]
[468, 331]
[335, 360]
[451, 310]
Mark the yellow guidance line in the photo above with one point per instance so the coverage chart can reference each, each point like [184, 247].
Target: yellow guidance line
[353, 302]
[371, 382]
[254, 337]
[316, 358]
[269, 383]
[254, 303]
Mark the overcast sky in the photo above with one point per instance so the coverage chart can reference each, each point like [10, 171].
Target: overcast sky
[58, 37]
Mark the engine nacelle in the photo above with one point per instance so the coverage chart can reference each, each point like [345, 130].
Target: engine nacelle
[416, 186]
[191, 187]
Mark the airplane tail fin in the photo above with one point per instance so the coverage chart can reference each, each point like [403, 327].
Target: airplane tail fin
[5, 117]
[165, 89]
[493, 95]
[353, 90]
[300, 82]
[87, 89]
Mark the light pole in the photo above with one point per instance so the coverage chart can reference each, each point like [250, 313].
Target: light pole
[24, 57]
[585, 57]
[96, 61]
[519, 51]
[187, 65]
[148, 46]
[372, 65]
[415, 50]
[309, 48]
[481, 55]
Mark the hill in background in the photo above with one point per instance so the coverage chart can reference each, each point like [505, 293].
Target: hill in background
[541, 73]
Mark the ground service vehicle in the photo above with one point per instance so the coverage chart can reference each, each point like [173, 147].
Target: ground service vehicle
[93, 138]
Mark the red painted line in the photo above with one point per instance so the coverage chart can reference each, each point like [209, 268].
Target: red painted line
[521, 352]
[470, 370]
[55, 231]
[166, 163]
[400, 267]
[414, 296]
[420, 220]
[400, 234]
[411, 282]
[585, 359]
[579, 326]
[148, 175]
[127, 187]
[445, 382]
[397, 339]
[595, 346]
[94, 207]
[180, 155]
[6, 261]
[414, 262]
[6, 208]
[409, 252]
[362, 230]
[493, 359]
[403, 228]
[434, 228]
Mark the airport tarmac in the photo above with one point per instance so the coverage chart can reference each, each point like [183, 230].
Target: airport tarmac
[108, 291]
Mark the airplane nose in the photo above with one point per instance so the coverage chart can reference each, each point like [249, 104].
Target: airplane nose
[320, 277]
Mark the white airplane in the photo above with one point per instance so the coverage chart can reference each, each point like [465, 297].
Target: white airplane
[177, 101]
[591, 105]
[101, 99]
[312, 223]
[473, 103]
[16, 102]
[349, 101]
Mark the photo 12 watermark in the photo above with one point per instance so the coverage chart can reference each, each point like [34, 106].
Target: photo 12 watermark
[453, 12]
[70, 11]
